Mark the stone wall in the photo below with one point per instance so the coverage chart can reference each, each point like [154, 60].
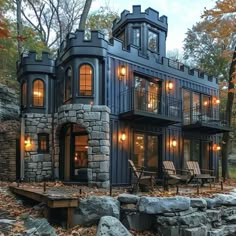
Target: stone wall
[9, 132]
[95, 119]
[37, 166]
[172, 216]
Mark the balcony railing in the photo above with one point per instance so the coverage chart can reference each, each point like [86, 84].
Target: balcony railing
[136, 102]
[208, 118]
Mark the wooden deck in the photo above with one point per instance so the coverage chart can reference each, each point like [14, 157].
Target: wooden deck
[52, 200]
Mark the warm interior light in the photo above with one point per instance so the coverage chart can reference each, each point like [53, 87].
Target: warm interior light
[216, 147]
[174, 142]
[27, 142]
[123, 137]
[216, 100]
[205, 103]
[122, 71]
[36, 93]
[170, 85]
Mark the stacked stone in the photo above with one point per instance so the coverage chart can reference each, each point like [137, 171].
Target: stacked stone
[38, 166]
[95, 119]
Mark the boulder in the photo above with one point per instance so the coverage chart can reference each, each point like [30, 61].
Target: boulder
[111, 226]
[154, 205]
[194, 220]
[198, 203]
[128, 198]
[195, 231]
[91, 209]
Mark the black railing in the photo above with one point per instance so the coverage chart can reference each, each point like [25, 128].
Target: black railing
[209, 115]
[150, 103]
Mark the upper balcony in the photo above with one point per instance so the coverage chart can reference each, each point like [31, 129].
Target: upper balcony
[149, 107]
[207, 121]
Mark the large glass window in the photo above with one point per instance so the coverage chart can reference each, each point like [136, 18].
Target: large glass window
[147, 94]
[85, 80]
[146, 150]
[38, 93]
[136, 36]
[68, 81]
[196, 107]
[152, 41]
[23, 94]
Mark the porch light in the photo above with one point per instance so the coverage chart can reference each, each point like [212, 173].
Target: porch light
[216, 147]
[174, 142]
[123, 137]
[122, 71]
[170, 85]
[216, 101]
[27, 141]
[205, 103]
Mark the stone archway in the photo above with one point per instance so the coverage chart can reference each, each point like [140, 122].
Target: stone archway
[95, 119]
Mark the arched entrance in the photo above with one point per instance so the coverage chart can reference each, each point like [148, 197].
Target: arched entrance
[73, 159]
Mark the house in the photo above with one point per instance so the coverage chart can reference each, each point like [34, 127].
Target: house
[100, 103]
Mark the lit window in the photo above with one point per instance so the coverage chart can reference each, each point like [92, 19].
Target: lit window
[152, 41]
[136, 36]
[23, 94]
[85, 80]
[68, 80]
[43, 143]
[38, 93]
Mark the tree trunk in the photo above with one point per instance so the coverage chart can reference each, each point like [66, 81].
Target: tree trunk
[85, 14]
[19, 26]
[229, 105]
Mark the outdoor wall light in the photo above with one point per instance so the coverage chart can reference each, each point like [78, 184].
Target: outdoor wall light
[216, 101]
[170, 85]
[216, 147]
[27, 141]
[123, 137]
[122, 70]
[174, 142]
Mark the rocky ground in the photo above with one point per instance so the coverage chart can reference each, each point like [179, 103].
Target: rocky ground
[20, 217]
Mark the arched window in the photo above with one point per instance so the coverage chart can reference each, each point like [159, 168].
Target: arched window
[68, 80]
[23, 94]
[38, 93]
[85, 80]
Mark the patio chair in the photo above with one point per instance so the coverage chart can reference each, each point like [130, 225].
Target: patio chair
[197, 174]
[173, 176]
[141, 177]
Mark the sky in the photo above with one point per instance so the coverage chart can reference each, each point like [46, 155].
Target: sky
[182, 14]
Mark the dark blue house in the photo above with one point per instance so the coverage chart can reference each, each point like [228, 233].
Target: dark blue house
[101, 103]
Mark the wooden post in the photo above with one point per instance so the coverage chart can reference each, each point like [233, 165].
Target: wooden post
[221, 185]
[198, 189]
[69, 217]
[177, 189]
[44, 187]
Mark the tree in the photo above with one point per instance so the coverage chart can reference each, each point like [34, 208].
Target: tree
[212, 43]
[52, 20]
[84, 15]
[102, 20]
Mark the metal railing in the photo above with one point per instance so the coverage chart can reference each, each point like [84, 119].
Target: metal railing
[147, 102]
[209, 115]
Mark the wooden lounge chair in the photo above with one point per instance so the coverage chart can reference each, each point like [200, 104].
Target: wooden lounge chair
[203, 175]
[141, 177]
[174, 176]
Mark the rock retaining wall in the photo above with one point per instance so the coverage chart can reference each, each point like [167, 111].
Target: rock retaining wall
[167, 216]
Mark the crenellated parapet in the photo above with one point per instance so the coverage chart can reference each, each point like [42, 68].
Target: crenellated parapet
[32, 63]
[88, 43]
[150, 16]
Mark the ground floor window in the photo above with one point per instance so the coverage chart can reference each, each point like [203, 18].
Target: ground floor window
[146, 150]
[197, 150]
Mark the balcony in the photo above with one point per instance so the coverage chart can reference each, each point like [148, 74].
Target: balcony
[149, 107]
[207, 121]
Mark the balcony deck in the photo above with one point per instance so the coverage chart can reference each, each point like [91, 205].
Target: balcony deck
[148, 107]
[210, 122]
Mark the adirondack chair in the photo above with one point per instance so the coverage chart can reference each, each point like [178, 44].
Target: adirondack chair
[141, 177]
[174, 176]
[198, 174]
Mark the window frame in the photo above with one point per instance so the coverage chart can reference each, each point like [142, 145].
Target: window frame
[79, 80]
[40, 136]
[135, 38]
[32, 93]
[23, 94]
[157, 40]
[68, 84]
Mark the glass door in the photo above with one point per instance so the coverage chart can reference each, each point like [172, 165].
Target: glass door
[79, 160]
